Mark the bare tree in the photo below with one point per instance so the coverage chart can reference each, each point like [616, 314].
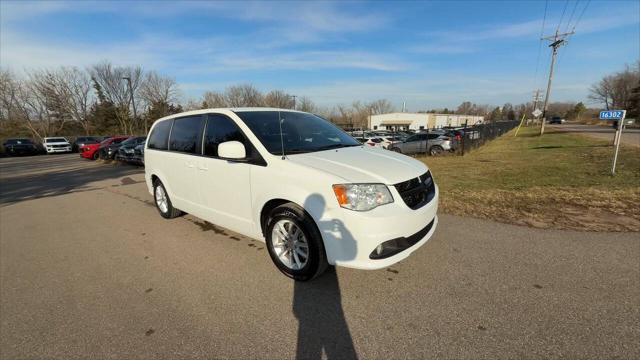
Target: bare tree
[602, 92]
[9, 88]
[192, 104]
[212, 99]
[466, 108]
[158, 89]
[382, 106]
[615, 91]
[78, 97]
[243, 95]
[158, 92]
[279, 99]
[116, 90]
[305, 104]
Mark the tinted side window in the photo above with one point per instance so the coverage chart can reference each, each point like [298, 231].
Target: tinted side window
[433, 136]
[159, 137]
[220, 129]
[185, 135]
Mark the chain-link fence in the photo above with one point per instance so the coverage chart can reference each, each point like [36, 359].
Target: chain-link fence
[473, 137]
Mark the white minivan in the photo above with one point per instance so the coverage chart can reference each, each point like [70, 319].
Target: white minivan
[314, 194]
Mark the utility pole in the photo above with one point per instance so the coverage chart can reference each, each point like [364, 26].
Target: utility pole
[557, 40]
[133, 103]
[294, 101]
[536, 99]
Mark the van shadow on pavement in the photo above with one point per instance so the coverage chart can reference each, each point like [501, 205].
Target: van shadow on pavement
[317, 304]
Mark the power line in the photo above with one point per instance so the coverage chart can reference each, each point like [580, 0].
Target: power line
[544, 19]
[575, 6]
[562, 17]
[582, 13]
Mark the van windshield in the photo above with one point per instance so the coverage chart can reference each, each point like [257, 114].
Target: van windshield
[301, 132]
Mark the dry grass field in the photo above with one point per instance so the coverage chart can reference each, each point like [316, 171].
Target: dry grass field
[559, 180]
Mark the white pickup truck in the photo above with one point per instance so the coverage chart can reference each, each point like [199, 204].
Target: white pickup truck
[56, 145]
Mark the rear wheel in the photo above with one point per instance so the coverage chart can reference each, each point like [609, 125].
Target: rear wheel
[436, 150]
[162, 201]
[294, 243]
[395, 149]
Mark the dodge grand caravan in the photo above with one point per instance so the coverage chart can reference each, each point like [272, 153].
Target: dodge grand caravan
[314, 194]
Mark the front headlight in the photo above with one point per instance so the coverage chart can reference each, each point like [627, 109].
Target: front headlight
[362, 197]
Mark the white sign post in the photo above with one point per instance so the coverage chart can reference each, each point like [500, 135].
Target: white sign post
[536, 112]
[615, 115]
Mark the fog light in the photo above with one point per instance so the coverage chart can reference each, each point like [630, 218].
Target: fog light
[379, 249]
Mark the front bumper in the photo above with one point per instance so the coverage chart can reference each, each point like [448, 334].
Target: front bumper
[351, 236]
[59, 149]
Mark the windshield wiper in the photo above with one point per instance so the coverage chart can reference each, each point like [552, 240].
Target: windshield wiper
[335, 146]
[296, 151]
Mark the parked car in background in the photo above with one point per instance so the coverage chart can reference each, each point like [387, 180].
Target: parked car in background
[14, 147]
[126, 149]
[314, 194]
[54, 145]
[81, 141]
[373, 141]
[431, 143]
[92, 151]
[108, 151]
[557, 120]
[138, 154]
[389, 140]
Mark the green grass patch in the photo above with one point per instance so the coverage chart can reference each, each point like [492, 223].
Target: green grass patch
[559, 180]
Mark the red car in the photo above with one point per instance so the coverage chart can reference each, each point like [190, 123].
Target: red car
[91, 151]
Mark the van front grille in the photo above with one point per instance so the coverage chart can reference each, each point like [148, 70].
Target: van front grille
[417, 192]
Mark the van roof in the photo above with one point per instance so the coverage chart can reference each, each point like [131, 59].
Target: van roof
[233, 109]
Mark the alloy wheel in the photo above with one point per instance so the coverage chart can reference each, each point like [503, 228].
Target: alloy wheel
[290, 244]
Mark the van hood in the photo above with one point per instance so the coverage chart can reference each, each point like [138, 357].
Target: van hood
[360, 164]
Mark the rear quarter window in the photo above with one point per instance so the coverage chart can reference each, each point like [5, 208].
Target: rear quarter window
[159, 138]
[186, 135]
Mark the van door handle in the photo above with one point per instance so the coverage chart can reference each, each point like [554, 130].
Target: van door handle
[190, 165]
[203, 168]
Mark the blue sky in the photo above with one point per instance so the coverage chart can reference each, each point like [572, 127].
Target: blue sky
[429, 54]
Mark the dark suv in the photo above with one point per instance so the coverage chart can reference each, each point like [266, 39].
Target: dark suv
[21, 147]
[126, 151]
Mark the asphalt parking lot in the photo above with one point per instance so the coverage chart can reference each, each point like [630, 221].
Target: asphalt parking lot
[88, 269]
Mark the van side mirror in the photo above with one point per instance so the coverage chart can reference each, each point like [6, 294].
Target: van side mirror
[232, 150]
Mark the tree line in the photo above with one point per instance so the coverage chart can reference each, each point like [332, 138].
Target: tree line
[95, 100]
[98, 100]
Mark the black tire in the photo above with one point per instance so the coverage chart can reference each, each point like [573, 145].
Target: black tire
[171, 212]
[96, 155]
[436, 150]
[317, 261]
[395, 149]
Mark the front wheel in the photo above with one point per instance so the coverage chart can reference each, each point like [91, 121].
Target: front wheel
[95, 156]
[163, 203]
[395, 149]
[294, 243]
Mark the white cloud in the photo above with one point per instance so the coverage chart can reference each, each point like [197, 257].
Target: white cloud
[185, 55]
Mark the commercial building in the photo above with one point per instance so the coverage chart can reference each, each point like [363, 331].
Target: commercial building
[420, 121]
